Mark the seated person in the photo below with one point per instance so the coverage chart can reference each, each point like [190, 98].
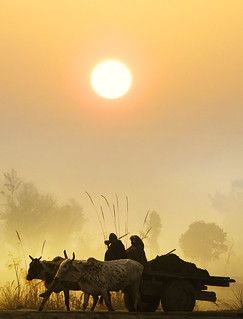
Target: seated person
[136, 250]
[116, 249]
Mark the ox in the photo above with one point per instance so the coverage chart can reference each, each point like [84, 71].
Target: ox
[99, 277]
[46, 271]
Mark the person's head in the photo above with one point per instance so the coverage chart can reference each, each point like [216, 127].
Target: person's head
[112, 237]
[136, 241]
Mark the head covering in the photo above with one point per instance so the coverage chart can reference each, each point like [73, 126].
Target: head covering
[112, 236]
[136, 241]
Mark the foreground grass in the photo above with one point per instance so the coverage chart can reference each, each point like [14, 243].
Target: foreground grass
[25, 295]
[235, 302]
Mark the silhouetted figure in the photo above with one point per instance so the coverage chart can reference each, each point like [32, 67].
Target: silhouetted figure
[136, 250]
[116, 249]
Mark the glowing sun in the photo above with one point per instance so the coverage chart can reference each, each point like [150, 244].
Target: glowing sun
[111, 79]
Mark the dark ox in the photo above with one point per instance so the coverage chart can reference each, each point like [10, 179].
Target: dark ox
[98, 278]
[46, 271]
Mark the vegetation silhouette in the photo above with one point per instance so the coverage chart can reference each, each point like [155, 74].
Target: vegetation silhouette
[203, 242]
[37, 215]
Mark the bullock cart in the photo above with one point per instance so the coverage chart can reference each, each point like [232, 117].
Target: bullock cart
[175, 284]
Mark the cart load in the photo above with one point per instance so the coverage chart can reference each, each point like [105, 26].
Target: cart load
[171, 264]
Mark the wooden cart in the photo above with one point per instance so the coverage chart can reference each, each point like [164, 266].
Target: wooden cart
[176, 292]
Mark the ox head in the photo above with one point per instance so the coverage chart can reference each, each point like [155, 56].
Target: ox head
[67, 270]
[35, 269]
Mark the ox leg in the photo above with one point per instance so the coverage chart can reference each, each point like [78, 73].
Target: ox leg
[86, 301]
[45, 295]
[107, 297]
[50, 290]
[66, 297]
[95, 300]
[43, 303]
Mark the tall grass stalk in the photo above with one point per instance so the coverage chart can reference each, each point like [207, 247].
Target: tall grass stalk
[145, 235]
[108, 205]
[42, 248]
[112, 210]
[118, 214]
[114, 218]
[145, 218]
[127, 210]
[126, 218]
[103, 217]
[97, 214]
[22, 248]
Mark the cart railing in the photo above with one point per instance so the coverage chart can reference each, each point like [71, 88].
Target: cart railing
[159, 276]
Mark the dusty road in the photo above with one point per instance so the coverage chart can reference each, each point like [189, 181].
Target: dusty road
[117, 315]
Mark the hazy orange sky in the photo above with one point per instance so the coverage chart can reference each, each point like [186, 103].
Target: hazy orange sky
[174, 139]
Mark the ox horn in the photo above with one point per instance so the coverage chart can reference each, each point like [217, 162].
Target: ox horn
[31, 257]
[65, 254]
[40, 258]
[73, 256]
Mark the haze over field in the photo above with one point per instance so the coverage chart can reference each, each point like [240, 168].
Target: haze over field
[172, 144]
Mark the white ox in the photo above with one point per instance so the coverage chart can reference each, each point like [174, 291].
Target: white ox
[99, 277]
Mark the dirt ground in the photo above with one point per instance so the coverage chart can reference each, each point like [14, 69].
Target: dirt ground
[25, 314]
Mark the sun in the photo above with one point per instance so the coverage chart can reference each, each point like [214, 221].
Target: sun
[111, 79]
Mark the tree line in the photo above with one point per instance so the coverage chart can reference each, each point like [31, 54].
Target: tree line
[40, 216]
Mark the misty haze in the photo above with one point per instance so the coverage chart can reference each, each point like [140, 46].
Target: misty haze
[121, 118]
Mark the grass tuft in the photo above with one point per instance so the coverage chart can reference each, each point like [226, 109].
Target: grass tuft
[236, 302]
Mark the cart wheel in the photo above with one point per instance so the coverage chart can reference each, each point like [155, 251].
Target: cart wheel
[148, 303]
[178, 296]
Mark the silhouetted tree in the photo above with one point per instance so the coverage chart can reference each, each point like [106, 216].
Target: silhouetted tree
[203, 241]
[37, 216]
[11, 182]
